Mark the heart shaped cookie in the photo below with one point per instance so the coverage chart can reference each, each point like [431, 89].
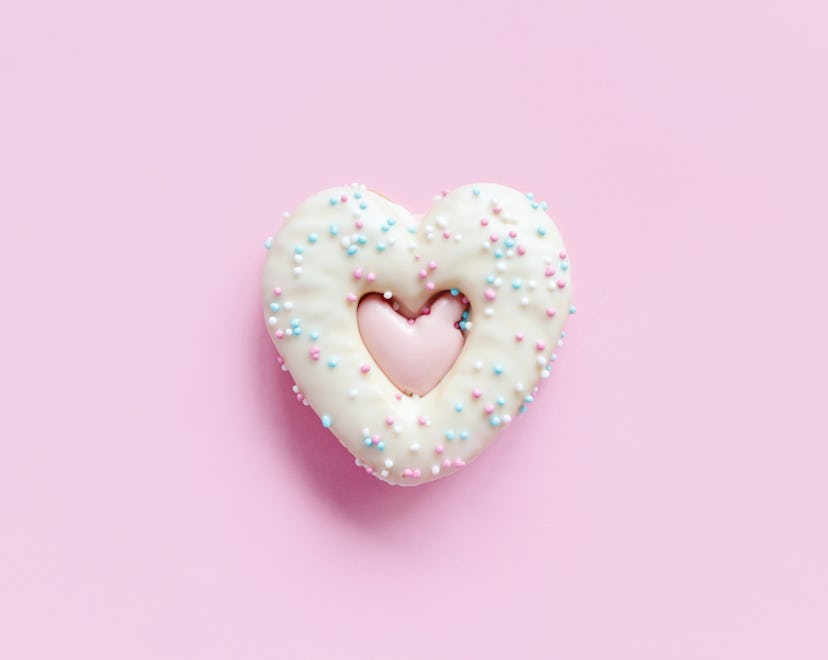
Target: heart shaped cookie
[417, 398]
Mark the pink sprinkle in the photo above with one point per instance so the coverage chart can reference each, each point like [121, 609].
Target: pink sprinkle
[549, 272]
[314, 352]
[422, 421]
[561, 284]
[484, 222]
[443, 193]
[398, 396]
[407, 472]
[369, 469]
[513, 234]
[439, 449]
[432, 265]
[376, 438]
[496, 210]
[279, 333]
[389, 421]
[519, 336]
[277, 291]
[476, 393]
[422, 274]
[489, 408]
[550, 312]
[430, 286]
[465, 300]
[446, 234]
[490, 294]
[351, 297]
[370, 277]
[410, 321]
[493, 238]
[446, 462]
[459, 462]
[357, 273]
[417, 474]
[426, 311]
[343, 199]
[365, 368]
[358, 224]
[521, 250]
[540, 345]
[562, 255]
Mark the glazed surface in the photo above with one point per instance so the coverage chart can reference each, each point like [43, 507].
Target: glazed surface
[494, 244]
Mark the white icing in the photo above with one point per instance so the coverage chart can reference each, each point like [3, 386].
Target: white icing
[422, 438]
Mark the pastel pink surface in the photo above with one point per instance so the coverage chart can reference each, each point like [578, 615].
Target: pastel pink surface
[415, 356]
[162, 494]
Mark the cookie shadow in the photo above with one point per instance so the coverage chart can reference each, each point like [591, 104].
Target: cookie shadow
[329, 469]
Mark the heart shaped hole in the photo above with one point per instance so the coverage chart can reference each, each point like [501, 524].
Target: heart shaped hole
[414, 348]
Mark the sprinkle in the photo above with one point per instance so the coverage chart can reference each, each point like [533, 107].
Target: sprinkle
[550, 312]
[333, 201]
[490, 294]
[572, 309]
[432, 265]
[326, 421]
[464, 435]
[387, 295]
[370, 277]
[564, 266]
[497, 369]
[521, 250]
[484, 222]
[541, 231]
[277, 291]
[449, 435]
[561, 284]
[312, 238]
[365, 368]
[333, 230]
[517, 283]
[430, 286]
[352, 250]
[476, 191]
[351, 297]
[476, 393]
[494, 420]
[439, 449]
[332, 363]
[489, 408]
[458, 406]
[268, 242]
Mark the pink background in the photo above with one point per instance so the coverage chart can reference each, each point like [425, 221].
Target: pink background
[163, 496]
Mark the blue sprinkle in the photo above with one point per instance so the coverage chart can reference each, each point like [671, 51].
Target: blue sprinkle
[535, 205]
[361, 239]
[357, 195]
[475, 191]
[449, 435]
[299, 249]
[295, 323]
[494, 420]
[352, 250]
[268, 242]
[498, 369]
[380, 247]
[530, 195]
[385, 228]
[517, 283]
[297, 331]
[275, 307]
[367, 442]
[312, 238]
[544, 205]
[490, 279]
[541, 231]
[462, 325]
[380, 445]
[564, 265]
[333, 201]
[314, 335]
[464, 435]
[326, 421]
[458, 406]
[332, 363]
[563, 334]
[553, 357]
[334, 230]
[465, 315]
[522, 409]
[528, 398]
[391, 221]
[363, 205]
[509, 242]
[501, 401]
[411, 230]
[498, 253]
[454, 292]
[572, 309]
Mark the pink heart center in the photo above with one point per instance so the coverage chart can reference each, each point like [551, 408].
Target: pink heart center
[414, 350]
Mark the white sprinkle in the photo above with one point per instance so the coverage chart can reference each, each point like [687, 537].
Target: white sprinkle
[305, 402]
[441, 222]
[357, 214]
[284, 368]
[531, 284]
[288, 305]
[468, 325]
[298, 258]
[285, 214]
[353, 394]
[435, 469]
[430, 236]
[389, 463]
[551, 284]
[295, 389]
[384, 473]
[415, 446]
[510, 253]
[289, 331]
[506, 418]
[501, 266]
[524, 301]
[297, 271]
[345, 241]
[366, 432]
[498, 281]
[478, 365]
[387, 295]
[488, 311]
[397, 429]
[358, 462]
[519, 387]
[541, 361]
[272, 320]
[457, 238]
[548, 260]
[486, 245]
[545, 373]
